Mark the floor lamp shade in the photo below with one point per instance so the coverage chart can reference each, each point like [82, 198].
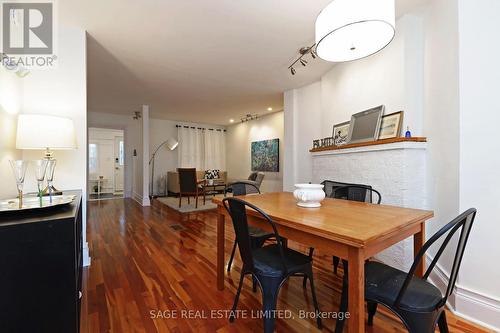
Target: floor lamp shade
[353, 29]
[45, 132]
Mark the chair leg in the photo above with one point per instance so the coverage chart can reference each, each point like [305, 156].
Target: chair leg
[339, 325]
[270, 289]
[196, 198]
[336, 261]
[442, 322]
[315, 301]
[232, 257]
[180, 199]
[304, 282]
[236, 298]
[372, 309]
[189, 199]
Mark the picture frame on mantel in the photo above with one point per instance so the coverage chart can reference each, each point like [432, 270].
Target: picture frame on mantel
[391, 125]
[340, 133]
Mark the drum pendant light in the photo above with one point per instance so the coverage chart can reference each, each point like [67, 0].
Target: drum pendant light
[353, 29]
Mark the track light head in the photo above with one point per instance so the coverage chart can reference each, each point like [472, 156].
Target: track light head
[313, 54]
[303, 62]
[292, 70]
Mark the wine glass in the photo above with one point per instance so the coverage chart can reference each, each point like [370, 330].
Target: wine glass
[19, 168]
[51, 166]
[40, 169]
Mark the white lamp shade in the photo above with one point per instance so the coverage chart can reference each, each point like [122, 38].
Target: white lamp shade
[353, 29]
[172, 143]
[41, 132]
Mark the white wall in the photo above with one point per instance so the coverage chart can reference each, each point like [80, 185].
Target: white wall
[480, 148]
[238, 143]
[10, 106]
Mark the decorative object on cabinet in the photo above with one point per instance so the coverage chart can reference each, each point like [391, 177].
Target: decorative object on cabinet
[391, 125]
[19, 169]
[365, 125]
[44, 132]
[341, 133]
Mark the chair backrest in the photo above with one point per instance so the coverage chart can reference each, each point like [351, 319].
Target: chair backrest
[259, 178]
[238, 212]
[361, 193]
[187, 180]
[330, 185]
[252, 176]
[241, 188]
[463, 222]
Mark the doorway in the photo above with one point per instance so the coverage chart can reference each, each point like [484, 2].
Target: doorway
[106, 163]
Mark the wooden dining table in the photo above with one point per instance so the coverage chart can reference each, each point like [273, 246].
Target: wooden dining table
[354, 231]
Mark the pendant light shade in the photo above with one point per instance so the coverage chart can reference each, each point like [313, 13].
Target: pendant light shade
[353, 29]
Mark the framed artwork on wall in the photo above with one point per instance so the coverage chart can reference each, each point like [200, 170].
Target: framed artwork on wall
[340, 133]
[265, 155]
[391, 125]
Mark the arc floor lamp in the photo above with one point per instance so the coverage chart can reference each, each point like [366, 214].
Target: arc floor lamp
[171, 145]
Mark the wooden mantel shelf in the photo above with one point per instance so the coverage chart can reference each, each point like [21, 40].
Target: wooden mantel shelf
[369, 143]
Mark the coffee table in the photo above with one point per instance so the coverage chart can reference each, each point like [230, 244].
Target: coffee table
[211, 188]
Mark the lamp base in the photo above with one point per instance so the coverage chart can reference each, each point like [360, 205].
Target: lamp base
[54, 191]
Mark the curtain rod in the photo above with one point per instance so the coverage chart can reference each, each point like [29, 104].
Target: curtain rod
[202, 128]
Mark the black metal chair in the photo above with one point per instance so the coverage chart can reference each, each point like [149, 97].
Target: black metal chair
[417, 302]
[257, 236]
[270, 266]
[353, 192]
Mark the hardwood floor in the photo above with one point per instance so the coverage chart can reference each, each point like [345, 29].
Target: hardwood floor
[149, 263]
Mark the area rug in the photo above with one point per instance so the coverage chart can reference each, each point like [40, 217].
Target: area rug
[173, 203]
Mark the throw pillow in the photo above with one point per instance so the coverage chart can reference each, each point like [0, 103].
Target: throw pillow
[212, 174]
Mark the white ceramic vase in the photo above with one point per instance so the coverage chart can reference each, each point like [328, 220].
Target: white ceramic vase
[309, 195]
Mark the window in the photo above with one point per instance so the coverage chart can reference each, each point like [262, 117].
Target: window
[121, 153]
[93, 158]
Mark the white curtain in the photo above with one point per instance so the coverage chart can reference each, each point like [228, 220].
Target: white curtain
[191, 147]
[215, 149]
[202, 149]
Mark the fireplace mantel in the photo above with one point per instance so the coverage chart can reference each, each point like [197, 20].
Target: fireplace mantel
[396, 168]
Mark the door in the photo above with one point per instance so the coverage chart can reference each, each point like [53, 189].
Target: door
[119, 163]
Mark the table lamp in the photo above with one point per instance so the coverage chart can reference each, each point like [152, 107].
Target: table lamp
[44, 132]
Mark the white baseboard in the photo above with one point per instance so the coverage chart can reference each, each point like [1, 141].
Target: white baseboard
[85, 254]
[466, 303]
[143, 201]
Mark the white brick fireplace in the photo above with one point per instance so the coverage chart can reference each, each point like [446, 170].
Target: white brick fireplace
[396, 170]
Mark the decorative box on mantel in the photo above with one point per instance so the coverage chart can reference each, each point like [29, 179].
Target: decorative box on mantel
[394, 167]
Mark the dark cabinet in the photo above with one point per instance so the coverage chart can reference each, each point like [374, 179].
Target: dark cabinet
[41, 269]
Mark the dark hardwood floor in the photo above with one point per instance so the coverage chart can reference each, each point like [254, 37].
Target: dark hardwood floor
[148, 263]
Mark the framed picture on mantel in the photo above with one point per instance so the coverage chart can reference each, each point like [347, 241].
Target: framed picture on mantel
[391, 125]
[340, 133]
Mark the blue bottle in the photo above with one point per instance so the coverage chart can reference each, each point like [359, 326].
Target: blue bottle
[408, 133]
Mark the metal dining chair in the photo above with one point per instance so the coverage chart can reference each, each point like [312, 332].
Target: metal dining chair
[416, 301]
[257, 236]
[270, 265]
[353, 192]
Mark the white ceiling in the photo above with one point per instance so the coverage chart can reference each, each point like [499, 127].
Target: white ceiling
[196, 60]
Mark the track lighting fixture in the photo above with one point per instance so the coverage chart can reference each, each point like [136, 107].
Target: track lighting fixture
[249, 117]
[303, 52]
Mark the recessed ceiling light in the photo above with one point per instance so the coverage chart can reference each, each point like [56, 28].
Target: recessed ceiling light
[231, 120]
[269, 109]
